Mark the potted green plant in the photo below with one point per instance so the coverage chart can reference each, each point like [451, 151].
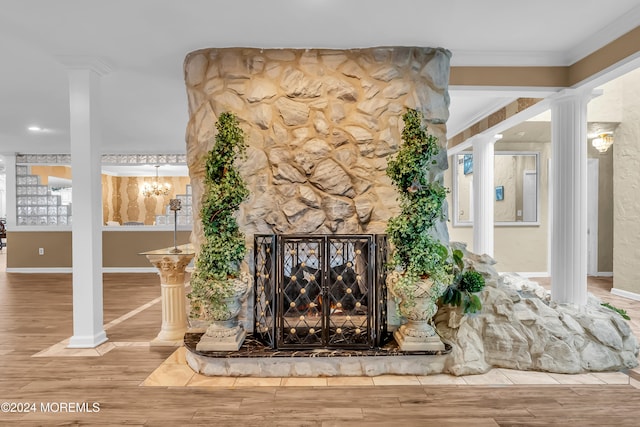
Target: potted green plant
[465, 287]
[420, 261]
[217, 285]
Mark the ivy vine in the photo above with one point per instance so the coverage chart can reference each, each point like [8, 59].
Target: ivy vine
[224, 244]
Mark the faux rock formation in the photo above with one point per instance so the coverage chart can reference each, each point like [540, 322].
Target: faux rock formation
[519, 327]
[319, 124]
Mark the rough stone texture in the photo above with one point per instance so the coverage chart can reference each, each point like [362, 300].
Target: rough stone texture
[520, 328]
[315, 366]
[320, 125]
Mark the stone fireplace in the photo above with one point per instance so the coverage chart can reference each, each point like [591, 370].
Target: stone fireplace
[320, 126]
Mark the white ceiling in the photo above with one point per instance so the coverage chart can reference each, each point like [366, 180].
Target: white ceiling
[145, 42]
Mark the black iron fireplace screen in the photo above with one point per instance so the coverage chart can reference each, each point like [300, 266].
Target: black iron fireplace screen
[320, 290]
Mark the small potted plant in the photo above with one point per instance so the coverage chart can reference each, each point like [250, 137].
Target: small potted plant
[217, 285]
[420, 261]
[465, 287]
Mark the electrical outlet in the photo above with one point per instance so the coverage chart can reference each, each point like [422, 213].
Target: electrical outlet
[40, 251]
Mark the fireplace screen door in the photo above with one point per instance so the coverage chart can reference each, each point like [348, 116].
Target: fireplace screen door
[319, 291]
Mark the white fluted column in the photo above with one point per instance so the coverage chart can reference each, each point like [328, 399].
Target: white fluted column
[483, 194]
[84, 103]
[569, 212]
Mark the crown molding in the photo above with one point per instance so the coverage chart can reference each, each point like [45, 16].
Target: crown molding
[604, 36]
[465, 58]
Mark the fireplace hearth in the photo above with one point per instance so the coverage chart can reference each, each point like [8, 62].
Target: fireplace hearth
[320, 291]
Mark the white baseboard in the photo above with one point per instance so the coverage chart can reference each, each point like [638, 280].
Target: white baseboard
[625, 294]
[528, 274]
[38, 270]
[603, 274]
[129, 270]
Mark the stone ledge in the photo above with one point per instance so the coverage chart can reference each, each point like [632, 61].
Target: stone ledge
[256, 360]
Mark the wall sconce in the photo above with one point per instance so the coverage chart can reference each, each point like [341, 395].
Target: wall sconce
[155, 188]
[602, 142]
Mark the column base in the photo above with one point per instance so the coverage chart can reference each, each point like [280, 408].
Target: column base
[222, 339]
[172, 335]
[87, 341]
[157, 342]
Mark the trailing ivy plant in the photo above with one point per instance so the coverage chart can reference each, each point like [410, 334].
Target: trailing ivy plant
[466, 284]
[224, 246]
[417, 252]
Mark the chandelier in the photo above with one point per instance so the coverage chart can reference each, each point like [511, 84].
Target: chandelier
[155, 188]
[602, 142]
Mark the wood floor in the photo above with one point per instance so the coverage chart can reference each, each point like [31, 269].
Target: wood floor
[35, 313]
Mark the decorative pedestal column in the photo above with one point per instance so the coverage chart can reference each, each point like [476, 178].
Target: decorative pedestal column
[171, 269]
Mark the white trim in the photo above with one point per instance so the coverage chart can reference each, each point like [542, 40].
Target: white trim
[528, 274]
[467, 58]
[129, 270]
[481, 114]
[625, 294]
[602, 274]
[38, 270]
[606, 35]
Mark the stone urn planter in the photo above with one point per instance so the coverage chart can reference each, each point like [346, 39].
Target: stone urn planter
[418, 304]
[224, 332]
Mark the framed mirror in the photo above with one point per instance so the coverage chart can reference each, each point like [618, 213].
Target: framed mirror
[516, 182]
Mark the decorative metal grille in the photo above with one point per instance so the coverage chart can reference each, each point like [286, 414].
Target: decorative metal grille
[265, 289]
[329, 291]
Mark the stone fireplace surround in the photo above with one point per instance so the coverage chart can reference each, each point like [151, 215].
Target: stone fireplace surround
[320, 125]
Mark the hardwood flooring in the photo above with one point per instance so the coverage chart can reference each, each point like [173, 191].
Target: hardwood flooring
[35, 313]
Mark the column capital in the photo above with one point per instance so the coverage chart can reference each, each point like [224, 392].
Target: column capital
[486, 139]
[572, 94]
[96, 64]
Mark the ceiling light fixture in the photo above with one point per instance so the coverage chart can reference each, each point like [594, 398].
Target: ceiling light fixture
[35, 128]
[602, 142]
[155, 188]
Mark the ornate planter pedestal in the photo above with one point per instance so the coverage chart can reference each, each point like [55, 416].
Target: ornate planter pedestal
[225, 333]
[171, 269]
[417, 334]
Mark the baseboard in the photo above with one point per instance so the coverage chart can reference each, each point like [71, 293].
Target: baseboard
[603, 274]
[129, 270]
[38, 270]
[625, 294]
[529, 274]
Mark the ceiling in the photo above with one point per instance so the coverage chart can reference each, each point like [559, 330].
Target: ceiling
[144, 107]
